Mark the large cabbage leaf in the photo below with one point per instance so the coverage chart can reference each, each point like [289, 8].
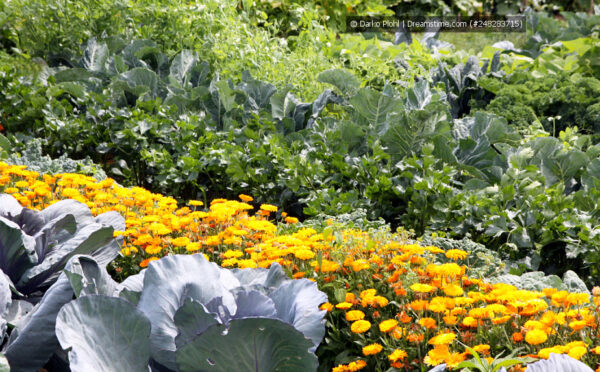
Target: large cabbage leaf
[104, 334]
[171, 280]
[254, 344]
[558, 363]
[34, 341]
[297, 303]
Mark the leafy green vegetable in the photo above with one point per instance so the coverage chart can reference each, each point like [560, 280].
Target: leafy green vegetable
[281, 315]
[37, 245]
[98, 332]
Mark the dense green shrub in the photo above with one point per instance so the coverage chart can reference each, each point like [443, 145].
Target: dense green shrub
[555, 102]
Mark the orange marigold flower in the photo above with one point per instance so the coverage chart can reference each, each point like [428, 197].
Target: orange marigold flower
[245, 198]
[326, 306]
[350, 297]
[147, 261]
[450, 319]
[291, 220]
[415, 337]
[517, 337]
[418, 305]
[397, 355]
[577, 325]
[428, 323]
[372, 349]
[405, 318]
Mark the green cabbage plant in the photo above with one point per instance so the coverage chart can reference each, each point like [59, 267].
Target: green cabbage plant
[35, 246]
[183, 313]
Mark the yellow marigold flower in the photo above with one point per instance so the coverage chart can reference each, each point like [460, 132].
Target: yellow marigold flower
[482, 348]
[41, 191]
[153, 249]
[453, 290]
[245, 264]
[388, 325]
[397, 355]
[375, 301]
[268, 207]
[245, 198]
[536, 337]
[442, 339]
[182, 241]
[212, 240]
[596, 350]
[192, 247]
[70, 192]
[469, 321]
[456, 254]
[372, 349]
[360, 326]
[354, 315]
[577, 352]
[360, 265]
[23, 184]
[159, 229]
[422, 288]
[545, 352]
[304, 254]
[573, 344]
[233, 254]
[343, 305]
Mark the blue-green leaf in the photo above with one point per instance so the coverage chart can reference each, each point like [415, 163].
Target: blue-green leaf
[104, 334]
[259, 345]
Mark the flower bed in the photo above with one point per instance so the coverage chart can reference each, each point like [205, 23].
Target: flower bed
[391, 303]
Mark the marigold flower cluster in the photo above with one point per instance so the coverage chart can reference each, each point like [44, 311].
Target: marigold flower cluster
[156, 226]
